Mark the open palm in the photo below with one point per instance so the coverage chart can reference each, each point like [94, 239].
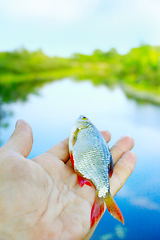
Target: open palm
[40, 199]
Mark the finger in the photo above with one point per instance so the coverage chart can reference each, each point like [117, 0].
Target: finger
[123, 145]
[106, 135]
[61, 150]
[21, 140]
[122, 170]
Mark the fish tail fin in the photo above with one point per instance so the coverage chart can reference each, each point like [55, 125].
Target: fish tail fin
[113, 208]
[97, 210]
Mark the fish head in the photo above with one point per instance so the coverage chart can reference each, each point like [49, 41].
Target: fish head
[81, 123]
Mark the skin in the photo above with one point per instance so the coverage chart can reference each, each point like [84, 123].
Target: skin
[40, 199]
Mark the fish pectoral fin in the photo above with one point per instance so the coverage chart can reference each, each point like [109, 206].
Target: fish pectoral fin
[74, 139]
[113, 208]
[110, 168]
[97, 210]
[82, 181]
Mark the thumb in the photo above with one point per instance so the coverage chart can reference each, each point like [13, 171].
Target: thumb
[22, 139]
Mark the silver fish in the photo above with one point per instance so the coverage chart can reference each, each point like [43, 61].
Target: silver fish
[92, 161]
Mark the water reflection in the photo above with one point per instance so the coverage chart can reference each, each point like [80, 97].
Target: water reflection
[20, 91]
[120, 232]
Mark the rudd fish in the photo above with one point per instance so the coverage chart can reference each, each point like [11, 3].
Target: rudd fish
[92, 161]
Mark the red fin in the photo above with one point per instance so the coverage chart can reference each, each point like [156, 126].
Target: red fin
[111, 167]
[113, 208]
[82, 181]
[97, 210]
[72, 160]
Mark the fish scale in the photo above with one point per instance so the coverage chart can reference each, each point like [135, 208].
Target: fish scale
[94, 156]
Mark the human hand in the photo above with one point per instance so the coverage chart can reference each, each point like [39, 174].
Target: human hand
[40, 199]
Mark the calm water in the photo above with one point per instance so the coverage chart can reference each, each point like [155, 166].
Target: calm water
[51, 115]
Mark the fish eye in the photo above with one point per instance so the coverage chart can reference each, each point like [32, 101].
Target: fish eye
[84, 118]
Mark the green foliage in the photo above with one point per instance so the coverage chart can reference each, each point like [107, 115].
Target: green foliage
[21, 61]
[142, 66]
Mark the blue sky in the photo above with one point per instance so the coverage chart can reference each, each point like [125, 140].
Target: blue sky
[63, 27]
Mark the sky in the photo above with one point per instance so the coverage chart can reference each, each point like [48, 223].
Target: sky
[64, 27]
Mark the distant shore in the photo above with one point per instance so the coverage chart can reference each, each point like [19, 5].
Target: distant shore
[137, 72]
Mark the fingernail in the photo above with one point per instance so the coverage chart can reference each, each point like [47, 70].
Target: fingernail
[17, 123]
[123, 136]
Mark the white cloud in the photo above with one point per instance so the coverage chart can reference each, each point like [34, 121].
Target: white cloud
[107, 236]
[120, 231]
[140, 201]
[144, 202]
